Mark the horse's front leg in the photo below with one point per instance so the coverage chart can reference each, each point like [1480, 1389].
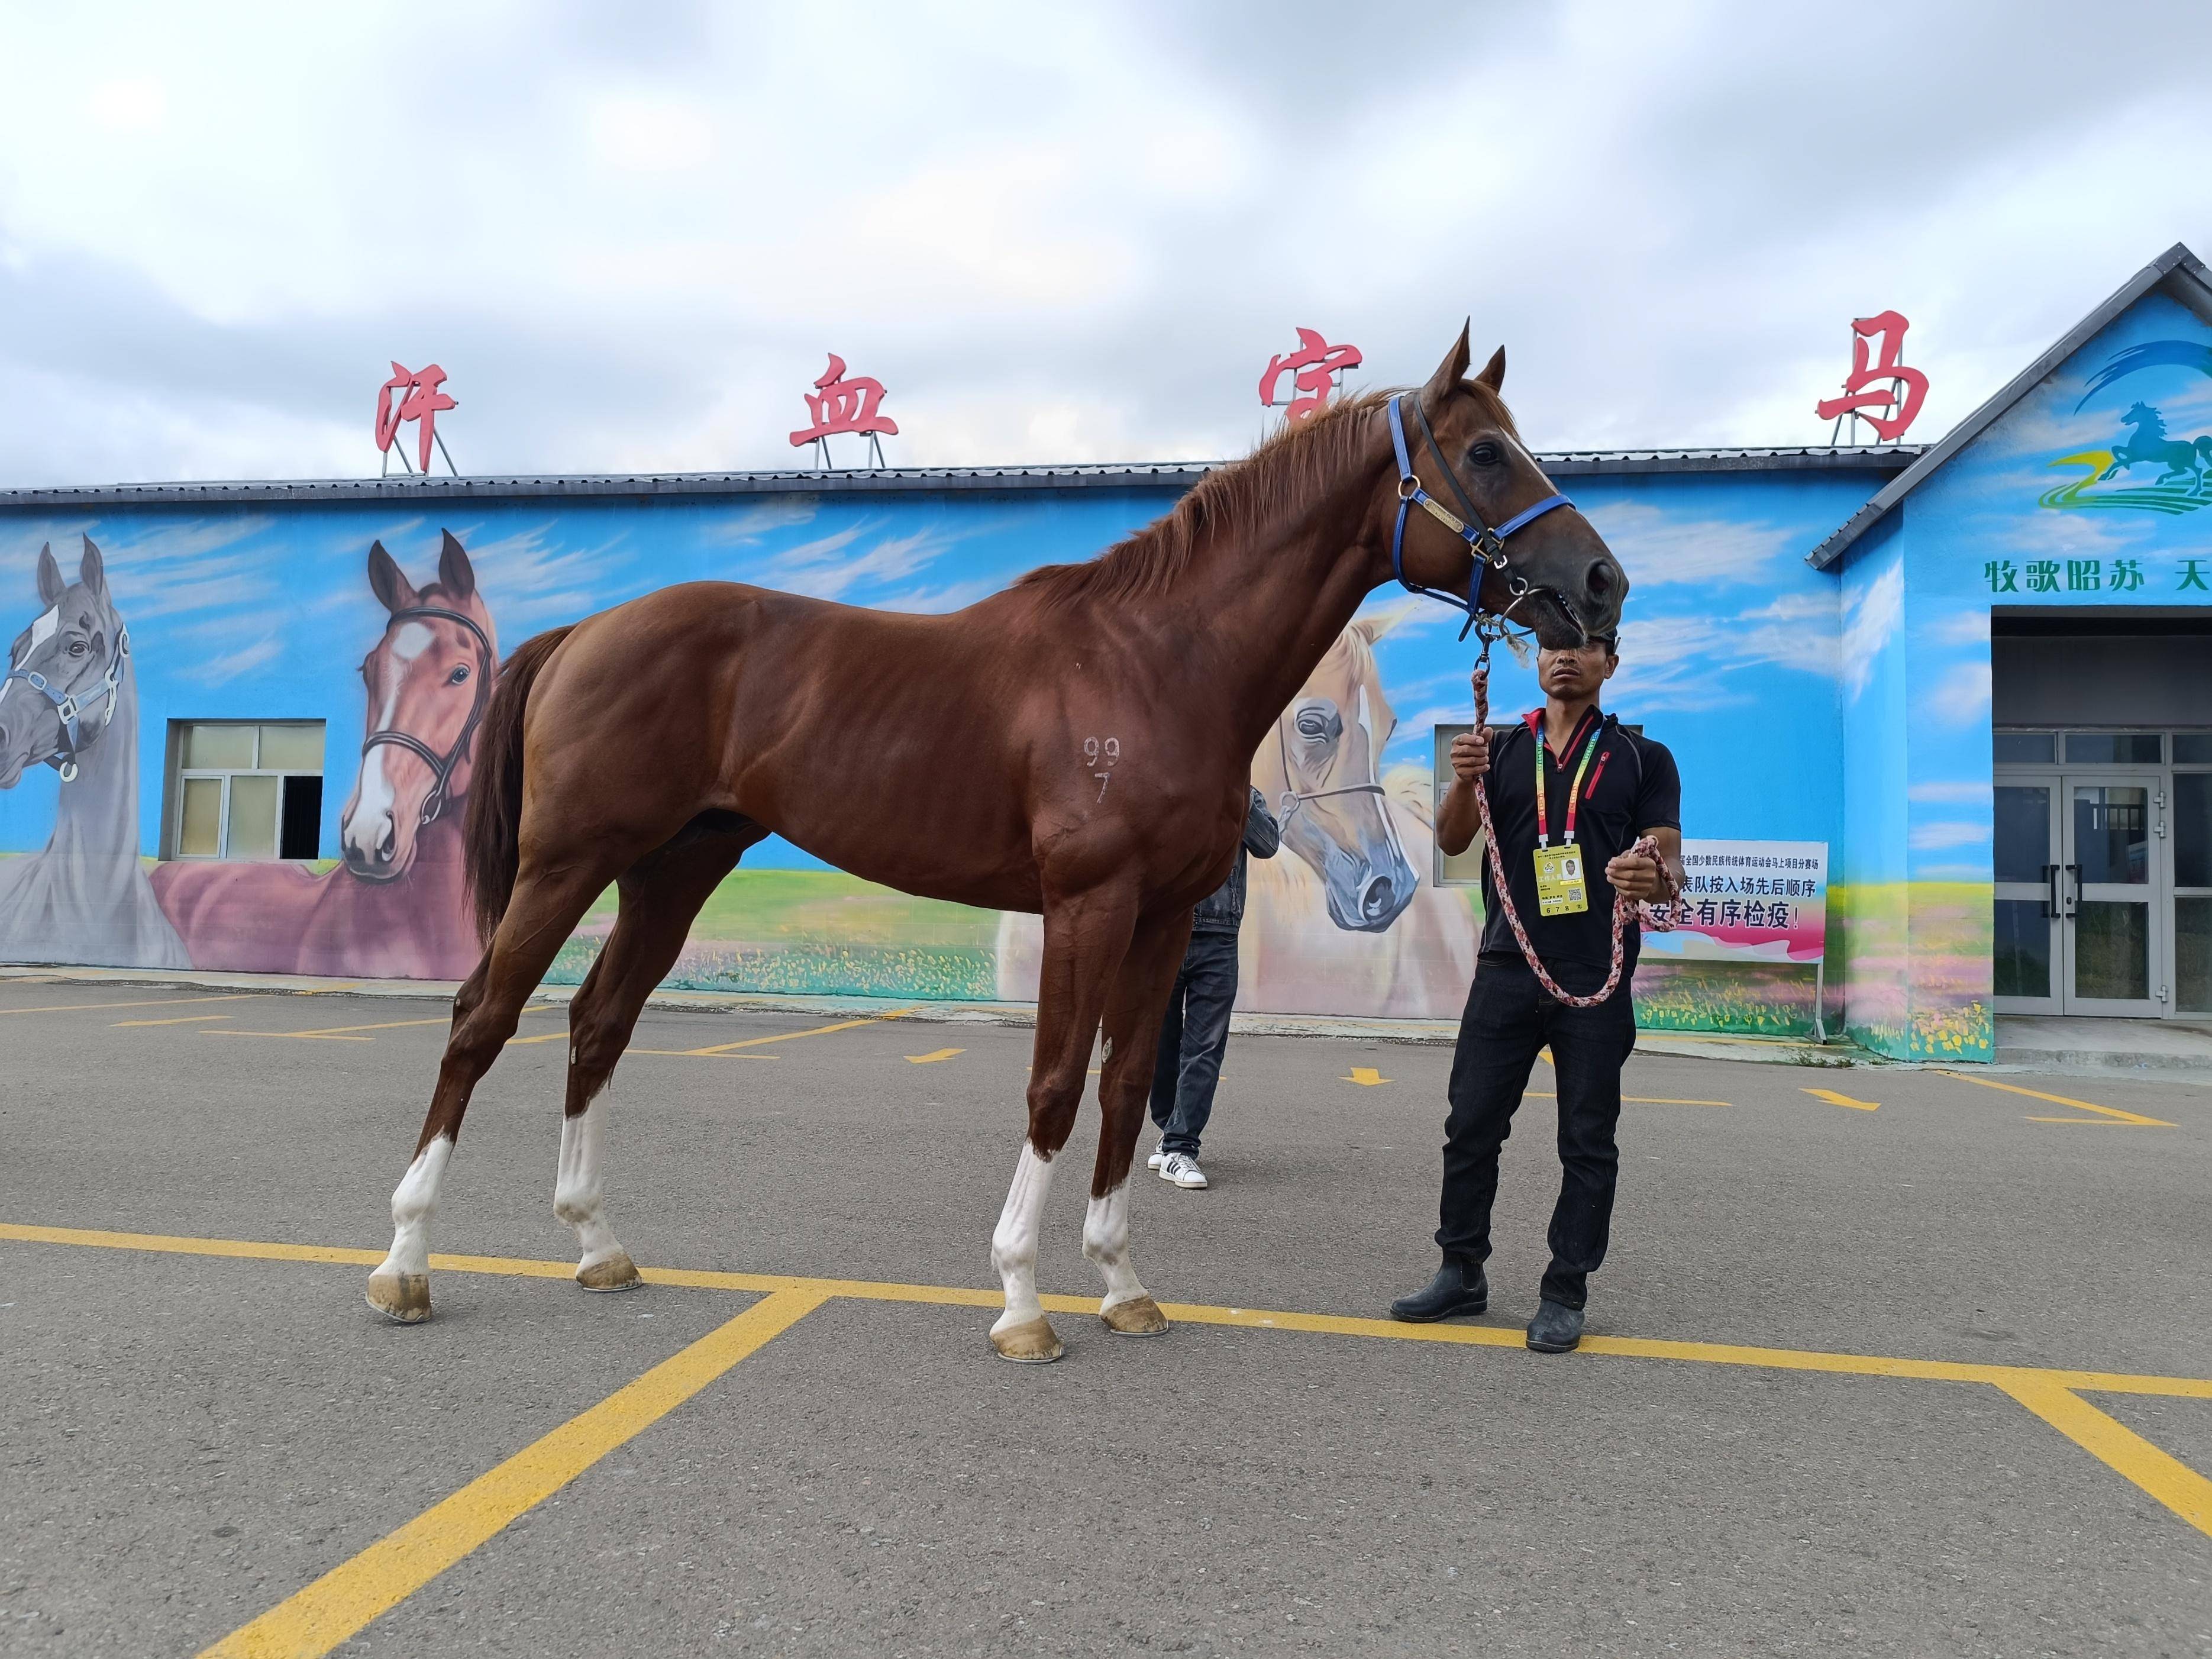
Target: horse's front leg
[1133, 1015]
[1086, 936]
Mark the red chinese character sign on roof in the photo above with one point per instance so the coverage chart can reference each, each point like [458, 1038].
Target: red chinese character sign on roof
[1878, 382]
[420, 401]
[839, 404]
[1316, 364]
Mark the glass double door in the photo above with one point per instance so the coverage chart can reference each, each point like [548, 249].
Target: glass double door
[2083, 896]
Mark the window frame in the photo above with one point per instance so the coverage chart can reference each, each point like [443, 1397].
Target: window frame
[181, 774]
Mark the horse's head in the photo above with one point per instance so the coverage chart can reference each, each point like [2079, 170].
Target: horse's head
[1322, 773]
[428, 680]
[2143, 414]
[1556, 574]
[63, 671]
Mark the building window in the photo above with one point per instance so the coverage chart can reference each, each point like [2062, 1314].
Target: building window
[240, 790]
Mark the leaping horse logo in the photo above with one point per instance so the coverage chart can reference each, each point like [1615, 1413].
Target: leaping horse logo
[2184, 461]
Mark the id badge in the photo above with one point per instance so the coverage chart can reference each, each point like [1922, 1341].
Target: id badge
[1560, 888]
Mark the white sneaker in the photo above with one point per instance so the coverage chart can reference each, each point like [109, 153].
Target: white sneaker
[1182, 1168]
[1159, 1156]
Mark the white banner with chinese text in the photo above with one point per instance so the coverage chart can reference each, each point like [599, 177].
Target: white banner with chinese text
[1751, 900]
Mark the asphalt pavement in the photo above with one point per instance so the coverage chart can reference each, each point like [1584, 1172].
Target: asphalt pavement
[190, 1440]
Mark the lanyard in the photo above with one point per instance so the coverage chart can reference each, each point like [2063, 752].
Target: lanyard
[1574, 789]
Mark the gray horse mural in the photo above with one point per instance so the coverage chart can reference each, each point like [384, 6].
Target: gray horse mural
[71, 701]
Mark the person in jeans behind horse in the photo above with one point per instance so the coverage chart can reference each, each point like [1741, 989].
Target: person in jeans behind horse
[1195, 1034]
[1570, 792]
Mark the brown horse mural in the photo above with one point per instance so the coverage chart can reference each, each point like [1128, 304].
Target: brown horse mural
[1078, 745]
[397, 907]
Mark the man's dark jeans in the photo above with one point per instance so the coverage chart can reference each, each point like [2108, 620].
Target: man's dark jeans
[1509, 1019]
[1192, 1039]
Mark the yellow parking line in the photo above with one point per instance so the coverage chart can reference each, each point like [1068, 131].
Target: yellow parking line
[346, 1033]
[867, 1290]
[2107, 1113]
[698, 1054]
[150, 1002]
[180, 1020]
[933, 1056]
[2168, 1480]
[348, 1597]
[790, 1036]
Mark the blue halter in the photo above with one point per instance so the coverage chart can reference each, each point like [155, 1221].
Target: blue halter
[72, 710]
[1487, 545]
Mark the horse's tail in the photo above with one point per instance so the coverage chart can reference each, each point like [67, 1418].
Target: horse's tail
[493, 836]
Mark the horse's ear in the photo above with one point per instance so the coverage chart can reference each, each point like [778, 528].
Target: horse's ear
[1449, 372]
[1493, 372]
[92, 570]
[455, 574]
[1375, 624]
[51, 585]
[388, 582]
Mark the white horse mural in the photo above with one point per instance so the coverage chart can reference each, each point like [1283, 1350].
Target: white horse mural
[71, 700]
[1351, 922]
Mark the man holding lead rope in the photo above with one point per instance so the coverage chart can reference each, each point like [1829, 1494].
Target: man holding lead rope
[1570, 791]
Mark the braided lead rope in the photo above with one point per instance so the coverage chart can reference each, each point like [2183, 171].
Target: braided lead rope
[1658, 918]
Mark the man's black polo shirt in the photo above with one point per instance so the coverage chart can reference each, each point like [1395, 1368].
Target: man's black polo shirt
[1633, 785]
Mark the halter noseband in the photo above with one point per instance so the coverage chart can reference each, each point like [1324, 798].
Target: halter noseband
[71, 710]
[1487, 545]
[441, 766]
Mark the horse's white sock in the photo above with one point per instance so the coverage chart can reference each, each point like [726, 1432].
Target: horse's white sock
[577, 1190]
[413, 1203]
[1106, 1242]
[1014, 1242]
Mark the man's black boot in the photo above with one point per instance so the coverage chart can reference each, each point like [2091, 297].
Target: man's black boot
[1458, 1288]
[1557, 1329]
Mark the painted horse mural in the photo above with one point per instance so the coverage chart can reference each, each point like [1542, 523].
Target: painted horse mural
[397, 906]
[1078, 744]
[1347, 923]
[71, 701]
[2185, 462]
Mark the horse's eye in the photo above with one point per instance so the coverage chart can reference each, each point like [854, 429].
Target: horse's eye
[1315, 724]
[76, 647]
[1484, 454]
[458, 675]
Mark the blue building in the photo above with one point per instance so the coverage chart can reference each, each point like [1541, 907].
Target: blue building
[1974, 671]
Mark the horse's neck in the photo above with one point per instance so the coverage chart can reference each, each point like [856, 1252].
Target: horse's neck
[1271, 602]
[98, 811]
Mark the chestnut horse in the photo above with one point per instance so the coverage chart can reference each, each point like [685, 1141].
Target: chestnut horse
[1077, 744]
[397, 907]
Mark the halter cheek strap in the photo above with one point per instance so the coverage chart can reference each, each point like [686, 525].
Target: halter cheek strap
[1487, 545]
[72, 709]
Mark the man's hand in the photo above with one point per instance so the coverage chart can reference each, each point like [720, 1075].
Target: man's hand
[1470, 754]
[1634, 876]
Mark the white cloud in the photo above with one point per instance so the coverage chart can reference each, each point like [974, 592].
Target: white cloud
[1967, 627]
[1656, 547]
[1962, 793]
[1871, 617]
[216, 670]
[1936, 838]
[1961, 697]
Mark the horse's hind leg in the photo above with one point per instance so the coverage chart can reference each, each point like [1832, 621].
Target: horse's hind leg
[661, 893]
[538, 917]
[1085, 938]
[1133, 1013]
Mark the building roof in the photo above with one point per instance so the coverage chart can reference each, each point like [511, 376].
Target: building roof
[1170, 475]
[2180, 273]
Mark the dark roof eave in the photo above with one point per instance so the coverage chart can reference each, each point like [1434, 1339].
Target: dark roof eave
[1173, 474]
[2176, 263]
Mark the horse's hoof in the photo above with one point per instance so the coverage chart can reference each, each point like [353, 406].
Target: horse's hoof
[1139, 1316]
[403, 1299]
[617, 1272]
[1033, 1344]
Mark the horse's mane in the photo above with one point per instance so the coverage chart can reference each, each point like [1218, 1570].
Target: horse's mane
[2153, 427]
[1283, 477]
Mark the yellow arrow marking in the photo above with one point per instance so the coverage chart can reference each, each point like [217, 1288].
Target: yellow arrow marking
[933, 1056]
[1365, 1076]
[1835, 1099]
[2107, 1113]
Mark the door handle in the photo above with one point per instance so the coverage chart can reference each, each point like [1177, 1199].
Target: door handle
[2049, 891]
[2074, 898]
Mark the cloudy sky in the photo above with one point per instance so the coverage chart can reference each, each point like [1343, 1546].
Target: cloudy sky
[630, 235]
